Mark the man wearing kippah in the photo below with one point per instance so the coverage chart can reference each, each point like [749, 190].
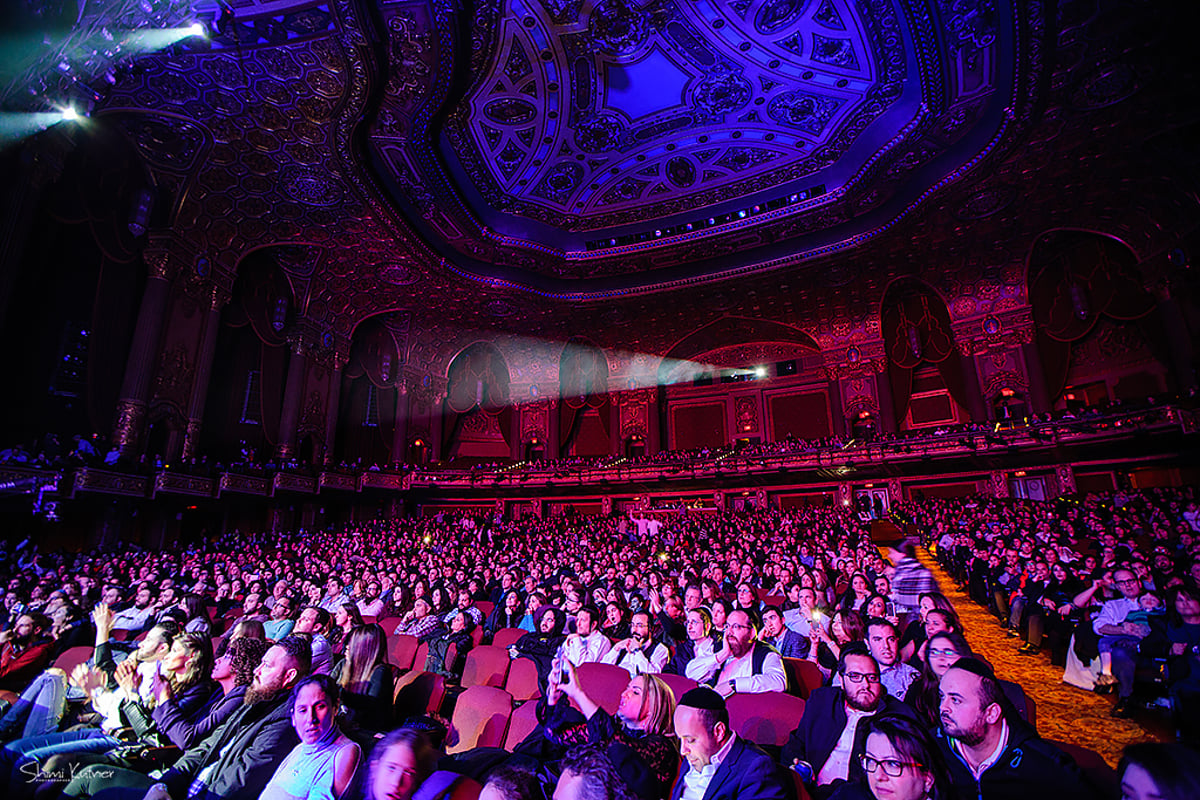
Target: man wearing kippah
[719, 765]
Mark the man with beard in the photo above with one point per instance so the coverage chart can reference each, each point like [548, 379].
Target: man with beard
[831, 730]
[24, 650]
[743, 664]
[237, 759]
[587, 643]
[640, 653]
[990, 752]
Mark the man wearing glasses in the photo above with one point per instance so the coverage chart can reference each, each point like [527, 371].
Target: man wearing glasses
[1119, 639]
[832, 730]
[743, 664]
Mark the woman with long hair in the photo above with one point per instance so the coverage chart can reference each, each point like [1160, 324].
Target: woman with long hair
[914, 635]
[826, 648]
[196, 612]
[942, 650]
[507, 613]
[366, 679]
[346, 617]
[642, 722]
[856, 596]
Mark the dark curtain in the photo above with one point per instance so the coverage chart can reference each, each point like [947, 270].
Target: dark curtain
[1074, 278]
[273, 366]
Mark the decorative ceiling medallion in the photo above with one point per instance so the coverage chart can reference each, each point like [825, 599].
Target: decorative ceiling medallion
[397, 274]
[985, 202]
[1108, 85]
[310, 186]
[991, 325]
[501, 308]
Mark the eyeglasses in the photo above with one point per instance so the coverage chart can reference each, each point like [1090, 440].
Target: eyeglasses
[943, 652]
[890, 766]
[859, 677]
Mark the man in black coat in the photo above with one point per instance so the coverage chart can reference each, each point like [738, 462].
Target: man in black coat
[991, 754]
[831, 733]
[717, 764]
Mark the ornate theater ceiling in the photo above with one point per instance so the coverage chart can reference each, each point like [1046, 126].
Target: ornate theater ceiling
[637, 172]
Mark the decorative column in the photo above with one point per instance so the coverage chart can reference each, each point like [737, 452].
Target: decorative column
[1000, 484]
[837, 413]
[887, 406]
[217, 299]
[654, 423]
[552, 425]
[1039, 395]
[131, 405]
[975, 405]
[333, 406]
[290, 415]
[400, 431]
[614, 424]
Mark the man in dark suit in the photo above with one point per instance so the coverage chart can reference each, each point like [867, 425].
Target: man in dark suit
[718, 765]
[789, 643]
[830, 733]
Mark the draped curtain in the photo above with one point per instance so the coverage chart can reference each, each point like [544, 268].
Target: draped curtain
[477, 380]
[583, 384]
[1075, 278]
[916, 330]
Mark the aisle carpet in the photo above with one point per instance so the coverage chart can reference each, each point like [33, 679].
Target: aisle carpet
[1065, 713]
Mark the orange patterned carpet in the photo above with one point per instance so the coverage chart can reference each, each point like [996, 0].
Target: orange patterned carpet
[1065, 713]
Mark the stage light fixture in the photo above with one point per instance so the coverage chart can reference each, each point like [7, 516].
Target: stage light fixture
[197, 29]
[69, 114]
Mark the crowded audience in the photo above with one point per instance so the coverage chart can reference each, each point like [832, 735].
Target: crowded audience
[701, 614]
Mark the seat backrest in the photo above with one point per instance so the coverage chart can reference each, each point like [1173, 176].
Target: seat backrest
[402, 650]
[419, 693]
[506, 636]
[603, 683]
[766, 718]
[679, 684]
[803, 677]
[522, 681]
[486, 665]
[485, 607]
[480, 719]
[421, 655]
[72, 657]
[523, 722]
[1097, 772]
[477, 636]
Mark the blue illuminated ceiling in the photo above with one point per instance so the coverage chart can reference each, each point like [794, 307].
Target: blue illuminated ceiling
[637, 112]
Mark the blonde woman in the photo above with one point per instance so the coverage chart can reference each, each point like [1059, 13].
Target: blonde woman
[643, 721]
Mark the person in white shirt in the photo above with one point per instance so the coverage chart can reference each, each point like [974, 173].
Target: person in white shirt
[1119, 639]
[640, 653]
[587, 643]
[743, 664]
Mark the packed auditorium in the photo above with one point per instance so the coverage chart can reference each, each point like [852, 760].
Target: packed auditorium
[605, 400]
